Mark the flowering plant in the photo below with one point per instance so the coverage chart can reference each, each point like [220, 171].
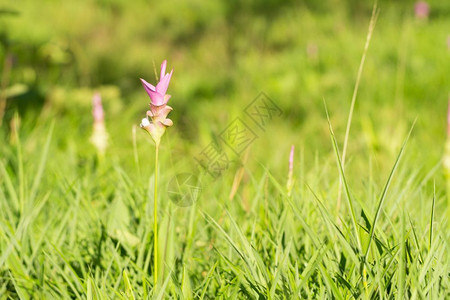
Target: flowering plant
[158, 106]
[156, 123]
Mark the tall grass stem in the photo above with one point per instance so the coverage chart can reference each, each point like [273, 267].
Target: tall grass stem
[372, 23]
[155, 222]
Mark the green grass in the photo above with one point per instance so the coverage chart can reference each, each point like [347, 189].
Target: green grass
[76, 225]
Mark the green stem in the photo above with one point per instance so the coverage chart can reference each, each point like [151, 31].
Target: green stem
[155, 222]
[4, 81]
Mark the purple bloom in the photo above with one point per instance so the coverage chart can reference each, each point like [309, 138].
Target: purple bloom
[99, 136]
[158, 105]
[422, 10]
[158, 94]
[97, 110]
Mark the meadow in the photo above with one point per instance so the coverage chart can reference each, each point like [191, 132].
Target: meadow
[358, 96]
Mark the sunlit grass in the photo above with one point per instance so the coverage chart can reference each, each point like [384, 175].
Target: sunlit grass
[73, 225]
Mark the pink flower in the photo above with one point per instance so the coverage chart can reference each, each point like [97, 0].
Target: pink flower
[158, 94]
[158, 105]
[97, 110]
[422, 10]
[99, 136]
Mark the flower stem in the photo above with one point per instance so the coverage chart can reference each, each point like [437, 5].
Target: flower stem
[155, 222]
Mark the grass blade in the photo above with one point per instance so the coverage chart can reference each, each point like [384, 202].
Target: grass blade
[384, 193]
[344, 180]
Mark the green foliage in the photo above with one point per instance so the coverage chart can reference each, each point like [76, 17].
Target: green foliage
[77, 225]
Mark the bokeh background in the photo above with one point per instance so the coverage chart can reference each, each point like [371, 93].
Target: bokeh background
[224, 53]
[55, 55]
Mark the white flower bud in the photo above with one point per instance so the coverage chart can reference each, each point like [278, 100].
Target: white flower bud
[145, 123]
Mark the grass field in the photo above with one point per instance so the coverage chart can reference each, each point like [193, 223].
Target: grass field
[367, 222]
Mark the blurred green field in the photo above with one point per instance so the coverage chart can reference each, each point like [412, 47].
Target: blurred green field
[73, 221]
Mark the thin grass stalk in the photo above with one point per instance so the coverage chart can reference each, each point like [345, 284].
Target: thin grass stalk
[155, 222]
[4, 81]
[373, 20]
[344, 180]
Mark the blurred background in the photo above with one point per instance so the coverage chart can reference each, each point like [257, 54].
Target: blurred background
[74, 217]
[54, 55]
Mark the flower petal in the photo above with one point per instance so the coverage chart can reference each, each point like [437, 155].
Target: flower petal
[159, 112]
[163, 69]
[157, 98]
[167, 122]
[163, 84]
[166, 98]
[147, 85]
[98, 108]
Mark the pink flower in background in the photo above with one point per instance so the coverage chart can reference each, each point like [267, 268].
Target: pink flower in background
[99, 136]
[158, 105]
[422, 10]
[97, 110]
